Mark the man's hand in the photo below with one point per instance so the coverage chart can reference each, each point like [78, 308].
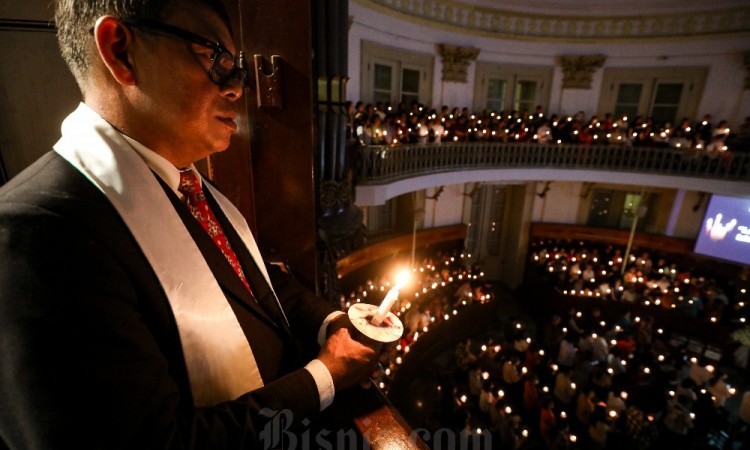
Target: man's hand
[342, 321]
[349, 362]
[383, 350]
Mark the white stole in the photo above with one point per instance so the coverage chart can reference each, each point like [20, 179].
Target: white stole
[220, 363]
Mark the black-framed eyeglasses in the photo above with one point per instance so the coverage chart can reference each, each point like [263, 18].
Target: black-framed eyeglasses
[224, 65]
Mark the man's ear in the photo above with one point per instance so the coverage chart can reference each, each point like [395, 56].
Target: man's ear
[114, 43]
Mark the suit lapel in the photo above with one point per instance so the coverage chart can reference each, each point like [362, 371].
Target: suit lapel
[225, 275]
[262, 293]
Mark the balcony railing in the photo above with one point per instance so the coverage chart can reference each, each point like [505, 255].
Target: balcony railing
[384, 164]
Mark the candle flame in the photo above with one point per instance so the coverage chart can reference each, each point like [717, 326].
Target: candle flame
[402, 279]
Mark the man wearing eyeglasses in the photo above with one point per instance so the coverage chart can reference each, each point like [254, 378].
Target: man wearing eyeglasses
[135, 308]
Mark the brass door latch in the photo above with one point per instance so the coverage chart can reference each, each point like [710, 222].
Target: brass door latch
[268, 86]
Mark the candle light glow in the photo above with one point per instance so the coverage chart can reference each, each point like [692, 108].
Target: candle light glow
[390, 298]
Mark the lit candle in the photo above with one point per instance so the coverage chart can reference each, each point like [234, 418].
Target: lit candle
[389, 299]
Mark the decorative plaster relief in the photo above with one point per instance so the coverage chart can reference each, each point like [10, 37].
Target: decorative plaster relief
[456, 61]
[578, 70]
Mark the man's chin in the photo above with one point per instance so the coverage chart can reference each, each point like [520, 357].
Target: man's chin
[222, 144]
[219, 146]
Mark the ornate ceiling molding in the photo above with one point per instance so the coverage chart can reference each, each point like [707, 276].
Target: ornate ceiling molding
[579, 70]
[456, 61]
[493, 22]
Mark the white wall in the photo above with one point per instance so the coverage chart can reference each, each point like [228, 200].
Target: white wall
[686, 221]
[723, 95]
[560, 203]
[454, 94]
[447, 209]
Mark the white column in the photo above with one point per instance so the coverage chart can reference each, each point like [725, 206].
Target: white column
[674, 216]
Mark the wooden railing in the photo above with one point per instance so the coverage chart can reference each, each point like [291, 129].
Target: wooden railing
[678, 247]
[379, 425]
[399, 244]
[673, 245]
[385, 164]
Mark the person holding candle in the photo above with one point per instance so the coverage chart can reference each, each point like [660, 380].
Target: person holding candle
[718, 388]
[585, 406]
[599, 429]
[547, 420]
[639, 430]
[564, 390]
[137, 310]
[511, 437]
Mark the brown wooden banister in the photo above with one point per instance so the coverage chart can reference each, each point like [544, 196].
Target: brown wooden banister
[385, 429]
[378, 425]
[380, 250]
[642, 241]
[611, 236]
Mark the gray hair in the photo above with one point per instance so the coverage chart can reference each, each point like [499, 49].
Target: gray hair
[75, 20]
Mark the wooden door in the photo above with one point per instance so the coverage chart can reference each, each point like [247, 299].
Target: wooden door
[268, 169]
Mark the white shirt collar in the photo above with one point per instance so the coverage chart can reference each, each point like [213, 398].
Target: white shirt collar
[159, 164]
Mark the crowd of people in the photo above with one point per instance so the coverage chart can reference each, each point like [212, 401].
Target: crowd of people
[383, 124]
[572, 379]
[586, 269]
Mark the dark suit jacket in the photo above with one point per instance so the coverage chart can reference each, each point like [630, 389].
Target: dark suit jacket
[90, 352]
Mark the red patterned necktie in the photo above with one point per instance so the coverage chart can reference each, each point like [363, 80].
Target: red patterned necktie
[190, 186]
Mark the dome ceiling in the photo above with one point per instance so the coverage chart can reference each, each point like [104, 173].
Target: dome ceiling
[607, 7]
[577, 20]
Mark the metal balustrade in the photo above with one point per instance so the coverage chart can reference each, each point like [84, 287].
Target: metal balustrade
[377, 165]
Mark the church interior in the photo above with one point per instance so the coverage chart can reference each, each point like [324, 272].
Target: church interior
[566, 182]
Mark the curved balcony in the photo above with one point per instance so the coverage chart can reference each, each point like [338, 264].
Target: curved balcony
[385, 172]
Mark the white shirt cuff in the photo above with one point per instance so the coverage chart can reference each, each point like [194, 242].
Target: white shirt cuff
[323, 381]
[324, 327]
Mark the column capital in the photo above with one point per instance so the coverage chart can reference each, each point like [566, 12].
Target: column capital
[579, 69]
[456, 61]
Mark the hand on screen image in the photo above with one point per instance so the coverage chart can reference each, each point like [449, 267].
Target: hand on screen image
[716, 230]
